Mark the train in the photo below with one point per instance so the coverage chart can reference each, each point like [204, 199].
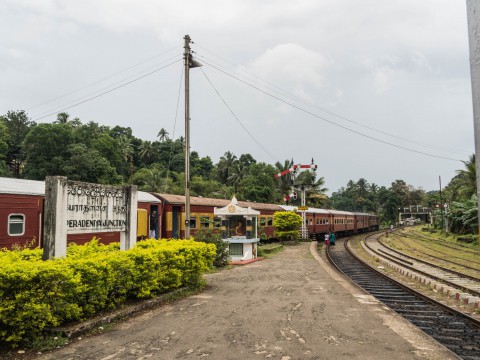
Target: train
[22, 212]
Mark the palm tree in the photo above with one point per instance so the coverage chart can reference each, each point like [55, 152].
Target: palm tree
[466, 180]
[162, 135]
[225, 165]
[238, 172]
[152, 179]
[126, 149]
[285, 181]
[147, 151]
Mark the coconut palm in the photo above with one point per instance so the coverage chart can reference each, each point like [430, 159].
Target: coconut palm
[225, 165]
[285, 181]
[162, 135]
[466, 180]
[147, 151]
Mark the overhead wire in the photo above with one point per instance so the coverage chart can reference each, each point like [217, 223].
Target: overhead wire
[238, 120]
[173, 134]
[325, 119]
[105, 92]
[100, 80]
[277, 89]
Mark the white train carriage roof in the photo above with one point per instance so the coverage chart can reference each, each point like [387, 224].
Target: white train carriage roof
[34, 187]
[310, 210]
[21, 186]
[340, 213]
[361, 214]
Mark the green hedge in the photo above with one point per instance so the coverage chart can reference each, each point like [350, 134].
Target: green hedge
[36, 294]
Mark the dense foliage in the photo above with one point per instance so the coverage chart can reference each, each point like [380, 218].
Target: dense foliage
[101, 154]
[286, 225]
[36, 294]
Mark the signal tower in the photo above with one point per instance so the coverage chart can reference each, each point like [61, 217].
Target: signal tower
[302, 188]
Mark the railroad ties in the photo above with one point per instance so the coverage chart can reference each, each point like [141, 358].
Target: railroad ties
[454, 330]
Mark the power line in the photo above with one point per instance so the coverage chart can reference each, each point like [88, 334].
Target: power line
[325, 119]
[277, 89]
[238, 120]
[73, 101]
[106, 92]
[100, 80]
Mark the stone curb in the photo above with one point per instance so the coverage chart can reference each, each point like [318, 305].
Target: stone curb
[74, 330]
[471, 301]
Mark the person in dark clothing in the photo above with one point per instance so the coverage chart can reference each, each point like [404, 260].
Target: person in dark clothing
[332, 239]
[153, 224]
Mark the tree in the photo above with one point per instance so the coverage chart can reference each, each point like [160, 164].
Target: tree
[284, 182]
[152, 179]
[4, 140]
[87, 164]
[147, 152]
[46, 150]
[162, 135]
[258, 185]
[466, 179]
[18, 125]
[225, 165]
[62, 118]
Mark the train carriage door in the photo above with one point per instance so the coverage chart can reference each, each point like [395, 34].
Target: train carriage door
[153, 224]
[176, 211]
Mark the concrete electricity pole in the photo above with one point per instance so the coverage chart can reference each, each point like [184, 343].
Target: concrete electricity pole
[473, 19]
[189, 63]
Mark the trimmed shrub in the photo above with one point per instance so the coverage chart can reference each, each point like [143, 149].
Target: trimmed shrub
[36, 294]
[213, 236]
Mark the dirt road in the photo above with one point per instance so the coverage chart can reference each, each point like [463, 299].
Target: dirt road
[285, 308]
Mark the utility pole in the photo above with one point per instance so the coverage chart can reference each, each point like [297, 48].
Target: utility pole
[441, 201]
[188, 63]
[473, 19]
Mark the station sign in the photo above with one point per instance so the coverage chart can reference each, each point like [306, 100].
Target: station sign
[302, 208]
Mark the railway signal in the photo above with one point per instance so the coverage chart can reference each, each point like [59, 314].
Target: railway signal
[297, 186]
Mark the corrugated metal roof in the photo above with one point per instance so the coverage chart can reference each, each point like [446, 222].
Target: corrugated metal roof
[310, 210]
[201, 201]
[338, 212]
[34, 187]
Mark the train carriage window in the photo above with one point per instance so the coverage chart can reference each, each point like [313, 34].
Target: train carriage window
[318, 221]
[204, 221]
[16, 224]
[193, 222]
[311, 221]
[263, 221]
[270, 221]
[217, 222]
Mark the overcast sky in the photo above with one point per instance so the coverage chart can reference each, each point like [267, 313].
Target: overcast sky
[281, 79]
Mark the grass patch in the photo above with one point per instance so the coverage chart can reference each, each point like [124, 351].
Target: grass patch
[269, 250]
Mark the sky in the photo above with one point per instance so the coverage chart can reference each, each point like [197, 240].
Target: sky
[369, 89]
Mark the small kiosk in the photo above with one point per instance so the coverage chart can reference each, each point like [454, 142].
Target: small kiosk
[239, 229]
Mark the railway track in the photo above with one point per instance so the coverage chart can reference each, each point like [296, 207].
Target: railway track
[447, 256]
[455, 279]
[456, 331]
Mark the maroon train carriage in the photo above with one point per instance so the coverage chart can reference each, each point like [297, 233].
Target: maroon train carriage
[202, 214]
[21, 215]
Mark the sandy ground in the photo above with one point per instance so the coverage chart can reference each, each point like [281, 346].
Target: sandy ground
[293, 306]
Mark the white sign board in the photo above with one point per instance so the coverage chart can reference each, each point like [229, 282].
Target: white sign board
[95, 208]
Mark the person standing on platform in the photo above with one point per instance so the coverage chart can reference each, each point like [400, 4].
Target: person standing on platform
[332, 239]
[327, 239]
[153, 224]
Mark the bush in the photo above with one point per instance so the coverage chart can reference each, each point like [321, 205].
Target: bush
[213, 236]
[36, 294]
[287, 224]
